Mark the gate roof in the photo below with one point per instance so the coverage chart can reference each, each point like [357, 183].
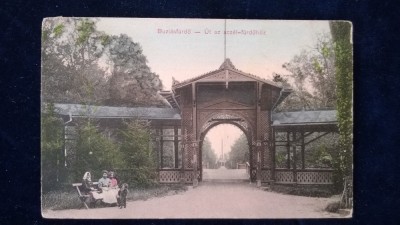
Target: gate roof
[236, 75]
[227, 72]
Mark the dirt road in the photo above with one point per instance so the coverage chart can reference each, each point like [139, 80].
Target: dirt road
[212, 200]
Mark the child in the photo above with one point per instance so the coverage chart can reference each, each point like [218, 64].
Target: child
[121, 197]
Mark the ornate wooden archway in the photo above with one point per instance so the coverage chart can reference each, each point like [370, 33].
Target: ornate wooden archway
[227, 95]
[227, 118]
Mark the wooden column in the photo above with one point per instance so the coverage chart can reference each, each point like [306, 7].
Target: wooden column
[158, 148]
[183, 146]
[161, 148]
[288, 149]
[194, 135]
[273, 155]
[200, 161]
[294, 159]
[176, 147]
[259, 134]
[303, 166]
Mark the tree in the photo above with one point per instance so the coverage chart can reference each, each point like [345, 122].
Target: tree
[240, 151]
[51, 147]
[137, 153]
[94, 150]
[71, 50]
[131, 82]
[83, 65]
[322, 152]
[341, 33]
[208, 154]
[311, 76]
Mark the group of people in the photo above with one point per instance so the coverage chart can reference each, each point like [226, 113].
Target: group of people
[107, 189]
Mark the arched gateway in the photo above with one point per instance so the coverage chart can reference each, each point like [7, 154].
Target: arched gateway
[226, 95]
[277, 140]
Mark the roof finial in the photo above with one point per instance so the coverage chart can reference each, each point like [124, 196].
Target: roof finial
[174, 81]
[227, 64]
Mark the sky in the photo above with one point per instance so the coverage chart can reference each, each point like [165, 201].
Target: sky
[186, 48]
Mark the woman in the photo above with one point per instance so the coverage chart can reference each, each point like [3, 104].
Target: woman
[109, 192]
[113, 180]
[104, 182]
[87, 188]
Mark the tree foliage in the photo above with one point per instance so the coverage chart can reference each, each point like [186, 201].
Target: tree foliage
[341, 33]
[83, 65]
[239, 152]
[311, 76]
[94, 150]
[208, 154]
[320, 153]
[51, 146]
[137, 152]
[70, 62]
[125, 149]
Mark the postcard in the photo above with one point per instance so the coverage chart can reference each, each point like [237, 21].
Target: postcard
[196, 118]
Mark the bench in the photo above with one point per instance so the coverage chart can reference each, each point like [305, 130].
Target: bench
[83, 197]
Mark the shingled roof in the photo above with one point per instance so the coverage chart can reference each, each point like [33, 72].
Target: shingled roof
[304, 117]
[171, 98]
[77, 110]
[226, 65]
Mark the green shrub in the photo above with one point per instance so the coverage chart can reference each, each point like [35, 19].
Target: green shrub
[94, 151]
[138, 154]
[51, 147]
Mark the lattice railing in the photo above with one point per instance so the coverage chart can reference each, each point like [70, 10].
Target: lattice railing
[284, 177]
[265, 175]
[169, 176]
[188, 177]
[306, 176]
[174, 176]
[320, 177]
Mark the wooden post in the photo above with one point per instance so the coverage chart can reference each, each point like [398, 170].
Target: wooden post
[303, 166]
[158, 148]
[162, 148]
[259, 134]
[183, 146]
[288, 149]
[176, 146]
[194, 135]
[273, 156]
[294, 159]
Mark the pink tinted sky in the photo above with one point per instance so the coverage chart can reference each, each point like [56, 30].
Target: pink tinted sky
[184, 56]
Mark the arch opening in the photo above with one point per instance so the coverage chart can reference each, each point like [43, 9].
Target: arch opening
[225, 153]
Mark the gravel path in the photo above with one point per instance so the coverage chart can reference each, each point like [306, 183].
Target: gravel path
[212, 200]
[225, 174]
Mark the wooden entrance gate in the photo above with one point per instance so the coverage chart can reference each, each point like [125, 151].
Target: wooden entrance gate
[226, 95]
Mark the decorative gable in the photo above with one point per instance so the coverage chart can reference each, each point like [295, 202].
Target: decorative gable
[226, 73]
[224, 104]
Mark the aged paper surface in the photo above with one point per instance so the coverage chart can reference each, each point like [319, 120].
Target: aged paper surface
[240, 117]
